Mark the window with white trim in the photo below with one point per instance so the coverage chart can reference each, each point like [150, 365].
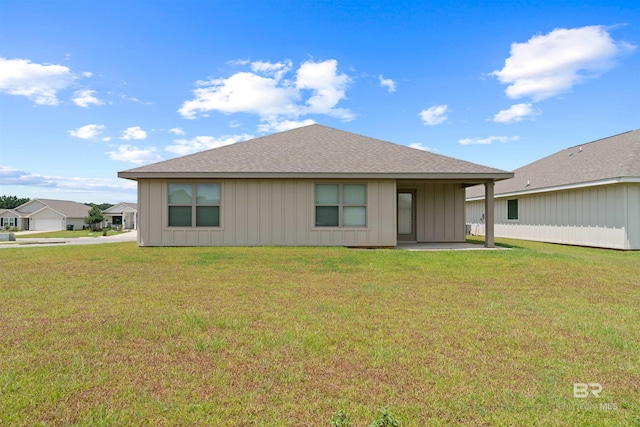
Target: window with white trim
[9, 222]
[341, 205]
[194, 205]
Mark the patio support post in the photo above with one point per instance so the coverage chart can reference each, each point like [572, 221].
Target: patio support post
[488, 214]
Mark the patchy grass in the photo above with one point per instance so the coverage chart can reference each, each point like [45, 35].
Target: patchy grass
[64, 234]
[117, 335]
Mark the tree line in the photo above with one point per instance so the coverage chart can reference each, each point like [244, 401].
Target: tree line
[12, 202]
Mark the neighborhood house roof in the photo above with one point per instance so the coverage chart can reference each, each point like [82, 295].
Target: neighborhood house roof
[314, 151]
[121, 207]
[613, 158]
[66, 208]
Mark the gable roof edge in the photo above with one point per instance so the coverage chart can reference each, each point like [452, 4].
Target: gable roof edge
[609, 181]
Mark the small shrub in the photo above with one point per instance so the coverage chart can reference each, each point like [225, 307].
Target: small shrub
[341, 419]
[385, 419]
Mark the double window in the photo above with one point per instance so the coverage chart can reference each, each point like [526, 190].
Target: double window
[341, 205]
[512, 209]
[194, 205]
[8, 222]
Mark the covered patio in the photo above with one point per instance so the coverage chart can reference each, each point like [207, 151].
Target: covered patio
[433, 211]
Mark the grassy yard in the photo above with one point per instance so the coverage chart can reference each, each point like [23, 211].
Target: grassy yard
[65, 234]
[119, 335]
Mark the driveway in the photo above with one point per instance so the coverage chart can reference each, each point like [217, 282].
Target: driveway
[30, 242]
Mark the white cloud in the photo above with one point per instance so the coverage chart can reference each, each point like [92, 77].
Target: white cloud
[132, 99]
[38, 82]
[547, 65]
[388, 83]
[86, 74]
[275, 126]
[419, 146]
[176, 131]
[316, 88]
[83, 98]
[137, 155]
[200, 143]
[488, 140]
[238, 62]
[515, 113]
[133, 133]
[242, 92]
[434, 115]
[277, 70]
[327, 88]
[11, 176]
[87, 132]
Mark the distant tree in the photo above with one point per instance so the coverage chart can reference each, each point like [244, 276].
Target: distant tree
[102, 206]
[11, 202]
[94, 218]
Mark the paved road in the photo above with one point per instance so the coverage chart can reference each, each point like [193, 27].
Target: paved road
[30, 242]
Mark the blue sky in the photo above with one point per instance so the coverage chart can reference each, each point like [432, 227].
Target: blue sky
[90, 88]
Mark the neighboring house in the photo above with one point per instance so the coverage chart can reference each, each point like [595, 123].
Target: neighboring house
[585, 195]
[122, 215]
[9, 218]
[309, 186]
[45, 215]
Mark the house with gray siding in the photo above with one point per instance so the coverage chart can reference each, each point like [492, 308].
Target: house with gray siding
[587, 195]
[45, 215]
[121, 215]
[309, 186]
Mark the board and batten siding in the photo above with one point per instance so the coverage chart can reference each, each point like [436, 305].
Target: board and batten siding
[270, 212]
[35, 205]
[440, 211]
[605, 216]
[47, 214]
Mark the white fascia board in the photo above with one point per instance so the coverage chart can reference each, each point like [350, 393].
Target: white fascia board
[610, 181]
[476, 178]
[12, 212]
[114, 209]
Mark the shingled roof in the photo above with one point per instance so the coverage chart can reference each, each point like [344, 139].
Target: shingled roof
[613, 158]
[315, 151]
[66, 208]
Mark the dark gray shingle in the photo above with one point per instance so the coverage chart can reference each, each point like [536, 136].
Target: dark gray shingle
[313, 149]
[614, 157]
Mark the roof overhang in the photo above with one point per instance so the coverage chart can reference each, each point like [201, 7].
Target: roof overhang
[452, 176]
[118, 209]
[11, 211]
[609, 181]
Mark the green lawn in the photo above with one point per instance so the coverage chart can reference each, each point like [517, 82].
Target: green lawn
[120, 335]
[64, 234]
